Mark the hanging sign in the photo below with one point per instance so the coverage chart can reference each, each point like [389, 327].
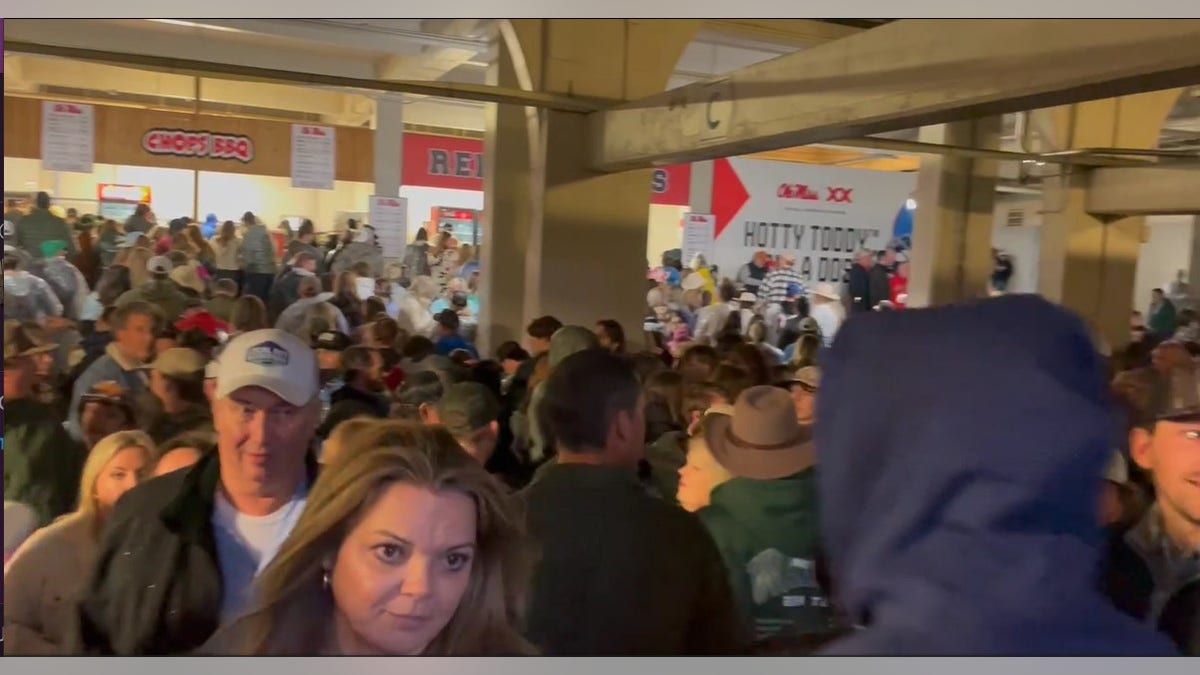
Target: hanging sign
[68, 137]
[313, 158]
[698, 235]
[185, 143]
[389, 217]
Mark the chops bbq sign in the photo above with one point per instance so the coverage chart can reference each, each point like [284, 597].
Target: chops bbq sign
[181, 143]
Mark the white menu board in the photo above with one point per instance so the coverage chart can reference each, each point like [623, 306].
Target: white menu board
[389, 217]
[313, 156]
[68, 137]
[698, 236]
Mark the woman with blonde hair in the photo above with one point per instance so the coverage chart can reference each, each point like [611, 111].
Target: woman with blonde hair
[249, 313]
[52, 567]
[407, 547]
[227, 252]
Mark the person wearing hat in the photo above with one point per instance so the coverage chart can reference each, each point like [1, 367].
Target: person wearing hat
[827, 310]
[160, 290]
[223, 300]
[362, 394]
[40, 226]
[750, 478]
[1152, 569]
[41, 461]
[203, 534]
[177, 383]
[959, 502]
[804, 386]
[104, 410]
[313, 307]
[448, 337]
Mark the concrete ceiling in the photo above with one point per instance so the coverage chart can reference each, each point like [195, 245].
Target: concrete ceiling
[448, 50]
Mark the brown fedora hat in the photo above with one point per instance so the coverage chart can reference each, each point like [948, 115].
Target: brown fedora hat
[762, 439]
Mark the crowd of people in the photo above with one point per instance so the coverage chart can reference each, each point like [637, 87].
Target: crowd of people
[229, 442]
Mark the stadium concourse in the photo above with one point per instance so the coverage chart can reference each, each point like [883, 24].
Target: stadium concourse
[829, 412]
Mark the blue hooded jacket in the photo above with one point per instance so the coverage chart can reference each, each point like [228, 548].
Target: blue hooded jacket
[209, 228]
[960, 452]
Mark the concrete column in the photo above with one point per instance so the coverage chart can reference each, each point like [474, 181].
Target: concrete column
[389, 145]
[1193, 279]
[952, 228]
[1089, 263]
[702, 187]
[580, 234]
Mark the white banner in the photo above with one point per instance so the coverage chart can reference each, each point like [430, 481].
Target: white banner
[68, 137]
[314, 158]
[389, 217]
[698, 236]
[819, 214]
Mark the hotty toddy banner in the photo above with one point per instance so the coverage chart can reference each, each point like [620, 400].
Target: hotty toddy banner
[819, 214]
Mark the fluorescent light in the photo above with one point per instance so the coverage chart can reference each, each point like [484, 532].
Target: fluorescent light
[193, 24]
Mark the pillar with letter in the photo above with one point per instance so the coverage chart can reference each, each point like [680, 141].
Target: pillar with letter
[560, 238]
[952, 229]
[1089, 263]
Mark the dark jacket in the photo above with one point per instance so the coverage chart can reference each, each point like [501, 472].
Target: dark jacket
[858, 287]
[880, 285]
[958, 511]
[766, 531]
[1128, 578]
[284, 292]
[41, 226]
[162, 427]
[347, 403]
[157, 587]
[138, 224]
[42, 463]
[621, 572]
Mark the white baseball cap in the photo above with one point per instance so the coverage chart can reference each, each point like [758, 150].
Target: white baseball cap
[159, 264]
[272, 359]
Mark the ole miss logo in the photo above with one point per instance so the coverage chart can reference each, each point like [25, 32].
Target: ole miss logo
[839, 195]
[68, 109]
[797, 191]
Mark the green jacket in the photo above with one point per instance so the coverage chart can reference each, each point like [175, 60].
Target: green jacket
[1161, 322]
[162, 294]
[42, 463]
[767, 532]
[41, 226]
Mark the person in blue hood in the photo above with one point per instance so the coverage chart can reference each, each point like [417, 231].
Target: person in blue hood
[958, 492]
[209, 228]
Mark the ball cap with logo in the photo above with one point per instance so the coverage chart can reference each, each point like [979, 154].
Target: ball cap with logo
[272, 359]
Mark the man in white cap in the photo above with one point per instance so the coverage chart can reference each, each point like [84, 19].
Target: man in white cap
[181, 551]
[825, 307]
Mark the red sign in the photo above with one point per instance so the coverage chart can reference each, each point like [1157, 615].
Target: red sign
[457, 164]
[839, 195]
[182, 143]
[68, 109]
[313, 131]
[797, 191]
[132, 194]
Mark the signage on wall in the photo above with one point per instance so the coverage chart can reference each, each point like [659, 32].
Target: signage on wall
[314, 151]
[182, 143]
[389, 217]
[133, 194]
[68, 137]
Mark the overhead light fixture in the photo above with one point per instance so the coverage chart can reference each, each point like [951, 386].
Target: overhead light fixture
[193, 24]
[910, 204]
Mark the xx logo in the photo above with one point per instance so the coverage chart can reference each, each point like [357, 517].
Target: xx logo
[839, 195]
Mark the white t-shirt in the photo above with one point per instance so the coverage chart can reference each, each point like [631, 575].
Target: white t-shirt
[246, 544]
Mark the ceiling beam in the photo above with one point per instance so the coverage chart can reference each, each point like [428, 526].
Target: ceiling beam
[1122, 192]
[204, 68]
[794, 32]
[904, 74]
